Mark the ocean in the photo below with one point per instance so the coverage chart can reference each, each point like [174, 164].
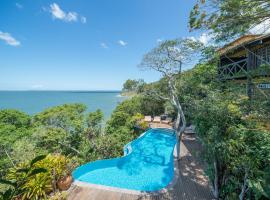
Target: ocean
[33, 102]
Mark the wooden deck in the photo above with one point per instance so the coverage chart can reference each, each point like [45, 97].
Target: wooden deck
[192, 184]
[159, 125]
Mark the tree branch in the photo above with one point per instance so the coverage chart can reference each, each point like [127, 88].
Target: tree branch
[72, 148]
[156, 94]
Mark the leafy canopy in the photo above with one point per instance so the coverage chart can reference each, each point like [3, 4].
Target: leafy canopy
[230, 18]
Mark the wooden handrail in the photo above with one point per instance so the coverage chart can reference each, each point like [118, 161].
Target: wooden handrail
[234, 63]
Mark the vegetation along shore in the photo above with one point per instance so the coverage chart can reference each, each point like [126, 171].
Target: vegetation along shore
[221, 88]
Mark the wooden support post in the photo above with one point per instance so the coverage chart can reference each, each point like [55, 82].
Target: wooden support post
[249, 80]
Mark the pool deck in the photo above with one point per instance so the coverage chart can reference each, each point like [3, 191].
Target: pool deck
[191, 183]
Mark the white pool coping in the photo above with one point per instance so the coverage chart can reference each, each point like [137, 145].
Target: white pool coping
[169, 187]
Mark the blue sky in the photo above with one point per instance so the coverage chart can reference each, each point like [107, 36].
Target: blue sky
[83, 44]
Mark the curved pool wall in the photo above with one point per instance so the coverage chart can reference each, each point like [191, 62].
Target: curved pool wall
[147, 164]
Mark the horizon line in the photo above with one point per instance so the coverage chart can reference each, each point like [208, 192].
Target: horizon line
[64, 90]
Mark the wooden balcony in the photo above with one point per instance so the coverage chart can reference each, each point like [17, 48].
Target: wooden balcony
[233, 70]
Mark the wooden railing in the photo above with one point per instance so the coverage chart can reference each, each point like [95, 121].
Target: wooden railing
[236, 69]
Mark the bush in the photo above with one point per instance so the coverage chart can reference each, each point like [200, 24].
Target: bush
[37, 179]
[14, 117]
[236, 149]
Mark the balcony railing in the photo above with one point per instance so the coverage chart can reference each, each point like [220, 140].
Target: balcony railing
[233, 70]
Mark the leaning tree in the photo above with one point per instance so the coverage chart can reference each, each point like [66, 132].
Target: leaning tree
[169, 58]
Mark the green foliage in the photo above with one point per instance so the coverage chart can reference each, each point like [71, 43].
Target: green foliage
[133, 85]
[15, 118]
[229, 18]
[94, 121]
[123, 114]
[19, 177]
[229, 126]
[68, 117]
[234, 143]
[111, 145]
[23, 149]
[52, 140]
[138, 121]
[37, 178]
[233, 131]
[14, 126]
[170, 56]
[61, 126]
[121, 128]
[62, 131]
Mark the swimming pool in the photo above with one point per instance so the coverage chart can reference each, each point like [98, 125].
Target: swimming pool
[148, 164]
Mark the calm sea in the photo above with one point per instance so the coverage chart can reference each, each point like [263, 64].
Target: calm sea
[33, 102]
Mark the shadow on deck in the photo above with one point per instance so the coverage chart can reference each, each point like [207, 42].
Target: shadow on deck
[191, 185]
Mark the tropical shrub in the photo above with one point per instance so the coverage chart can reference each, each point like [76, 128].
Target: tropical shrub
[37, 179]
[137, 121]
[19, 177]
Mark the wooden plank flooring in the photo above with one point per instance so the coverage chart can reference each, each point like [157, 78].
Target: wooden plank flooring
[192, 184]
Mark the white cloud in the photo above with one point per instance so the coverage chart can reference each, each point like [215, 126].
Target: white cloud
[71, 16]
[83, 19]
[58, 13]
[20, 6]
[159, 40]
[203, 38]
[122, 43]
[104, 45]
[9, 39]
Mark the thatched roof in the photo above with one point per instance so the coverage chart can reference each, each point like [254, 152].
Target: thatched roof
[240, 42]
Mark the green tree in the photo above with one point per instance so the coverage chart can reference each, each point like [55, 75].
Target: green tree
[133, 85]
[236, 150]
[14, 125]
[94, 121]
[229, 18]
[68, 121]
[15, 118]
[69, 117]
[168, 59]
[130, 85]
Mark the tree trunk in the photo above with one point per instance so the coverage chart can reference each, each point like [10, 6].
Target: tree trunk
[180, 123]
[244, 186]
[215, 185]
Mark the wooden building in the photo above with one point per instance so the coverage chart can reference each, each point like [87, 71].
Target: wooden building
[248, 54]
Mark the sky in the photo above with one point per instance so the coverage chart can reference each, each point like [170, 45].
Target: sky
[84, 44]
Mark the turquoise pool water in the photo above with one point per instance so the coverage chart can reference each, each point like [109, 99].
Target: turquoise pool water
[147, 165]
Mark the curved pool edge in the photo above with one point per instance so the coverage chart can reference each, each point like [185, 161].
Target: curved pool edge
[169, 187]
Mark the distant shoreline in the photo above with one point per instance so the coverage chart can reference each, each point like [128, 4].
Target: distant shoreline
[73, 91]
[128, 94]
[33, 102]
